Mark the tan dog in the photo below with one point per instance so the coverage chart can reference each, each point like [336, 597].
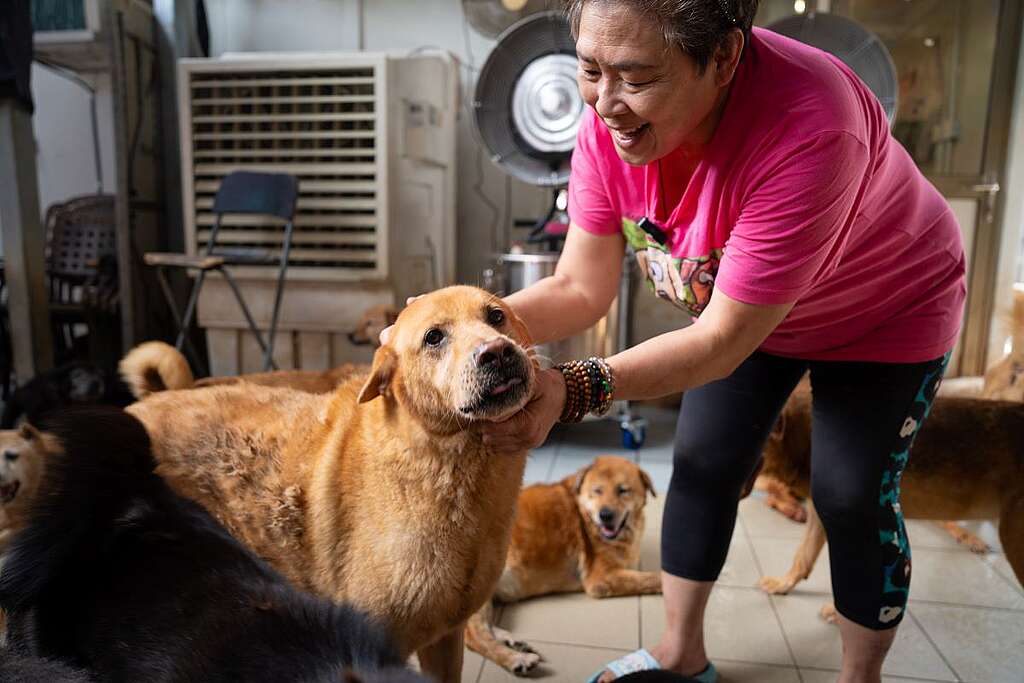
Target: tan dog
[381, 493]
[371, 323]
[967, 463]
[582, 533]
[22, 453]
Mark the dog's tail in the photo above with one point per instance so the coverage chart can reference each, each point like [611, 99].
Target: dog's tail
[155, 366]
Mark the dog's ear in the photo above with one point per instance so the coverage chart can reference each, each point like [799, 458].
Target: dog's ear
[648, 484]
[44, 441]
[385, 361]
[577, 482]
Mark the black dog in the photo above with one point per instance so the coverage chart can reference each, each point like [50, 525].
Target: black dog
[70, 385]
[119, 576]
[16, 668]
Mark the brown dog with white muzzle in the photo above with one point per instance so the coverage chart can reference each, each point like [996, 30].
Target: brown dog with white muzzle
[380, 494]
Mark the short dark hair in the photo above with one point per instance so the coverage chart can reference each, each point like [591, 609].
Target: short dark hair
[697, 27]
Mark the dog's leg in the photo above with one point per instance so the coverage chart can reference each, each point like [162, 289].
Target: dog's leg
[828, 612]
[1011, 534]
[600, 583]
[780, 498]
[803, 561]
[498, 645]
[965, 537]
[442, 659]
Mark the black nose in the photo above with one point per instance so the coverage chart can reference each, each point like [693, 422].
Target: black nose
[607, 515]
[494, 353]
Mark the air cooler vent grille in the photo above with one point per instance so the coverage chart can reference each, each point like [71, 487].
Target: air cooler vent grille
[323, 125]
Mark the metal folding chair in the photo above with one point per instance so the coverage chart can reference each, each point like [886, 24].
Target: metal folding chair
[241, 192]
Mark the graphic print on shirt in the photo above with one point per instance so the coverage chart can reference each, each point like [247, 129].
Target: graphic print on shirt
[685, 282]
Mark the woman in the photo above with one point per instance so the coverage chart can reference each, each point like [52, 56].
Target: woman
[757, 179]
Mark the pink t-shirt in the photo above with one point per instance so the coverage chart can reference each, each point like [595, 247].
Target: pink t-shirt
[802, 196]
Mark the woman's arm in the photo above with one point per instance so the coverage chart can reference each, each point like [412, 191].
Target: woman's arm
[727, 332]
[580, 292]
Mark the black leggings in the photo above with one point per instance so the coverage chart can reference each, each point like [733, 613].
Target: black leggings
[865, 416]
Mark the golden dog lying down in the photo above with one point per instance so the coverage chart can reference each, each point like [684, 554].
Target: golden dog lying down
[380, 493]
[582, 533]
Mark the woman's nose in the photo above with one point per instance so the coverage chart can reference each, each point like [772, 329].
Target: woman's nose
[608, 103]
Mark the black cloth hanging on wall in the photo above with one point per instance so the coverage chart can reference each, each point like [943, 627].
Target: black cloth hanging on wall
[16, 51]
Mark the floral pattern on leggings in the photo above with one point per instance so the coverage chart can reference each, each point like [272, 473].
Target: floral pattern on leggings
[893, 532]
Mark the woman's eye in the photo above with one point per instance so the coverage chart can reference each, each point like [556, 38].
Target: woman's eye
[495, 317]
[637, 85]
[433, 337]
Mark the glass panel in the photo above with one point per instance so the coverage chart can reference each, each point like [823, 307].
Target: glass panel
[943, 50]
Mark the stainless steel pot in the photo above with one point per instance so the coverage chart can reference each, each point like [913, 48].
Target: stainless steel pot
[606, 337]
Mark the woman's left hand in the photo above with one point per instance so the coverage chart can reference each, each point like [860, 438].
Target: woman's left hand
[529, 427]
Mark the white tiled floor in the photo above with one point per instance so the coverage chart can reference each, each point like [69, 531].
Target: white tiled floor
[965, 622]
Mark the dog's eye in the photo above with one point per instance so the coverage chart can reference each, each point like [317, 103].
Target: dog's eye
[433, 337]
[495, 317]
[10, 456]
[598, 491]
[622, 490]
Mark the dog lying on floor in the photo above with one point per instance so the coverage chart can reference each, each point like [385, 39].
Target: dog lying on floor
[380, 494]
[967, 463]
[120, 577]
[582, 533]
[21, 467]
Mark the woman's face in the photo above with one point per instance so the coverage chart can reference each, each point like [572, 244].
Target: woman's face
[652, 96]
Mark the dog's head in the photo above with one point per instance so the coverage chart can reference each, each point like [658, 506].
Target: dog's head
[371, 323]
[611, 492]
[455, 355]
[21, 464]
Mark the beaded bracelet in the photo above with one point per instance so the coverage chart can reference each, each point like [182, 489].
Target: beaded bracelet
[589, 388]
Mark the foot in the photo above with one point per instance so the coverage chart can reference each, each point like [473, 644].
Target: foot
[669, 661]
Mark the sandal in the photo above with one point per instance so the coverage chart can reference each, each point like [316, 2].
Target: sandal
[642, 660]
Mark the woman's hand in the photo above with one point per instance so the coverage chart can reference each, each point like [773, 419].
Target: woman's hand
[529, 427]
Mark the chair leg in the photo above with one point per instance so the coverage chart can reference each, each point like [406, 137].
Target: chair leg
[161, 277]
[248, 316]
[268, 357]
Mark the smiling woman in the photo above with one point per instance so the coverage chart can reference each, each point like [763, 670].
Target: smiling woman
[758, 184]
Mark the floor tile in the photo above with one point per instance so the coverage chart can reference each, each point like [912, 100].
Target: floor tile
[739, 625]
[575, 619]
[569, 463]
[760, 520]
[775, 556]
[816, 676]
[740, 570]
[960, 578]
[594, 437]
[660, 472]
[817, 644]
[744, 672]
[569, 663]
[982, 645]
[999, 561]
[472, 663]
[538, 467]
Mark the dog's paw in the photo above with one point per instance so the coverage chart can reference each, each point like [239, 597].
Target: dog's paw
[524, 662]
[513, 642]
[776, 585]
[828, 613]
[978, 546]
[598, 590]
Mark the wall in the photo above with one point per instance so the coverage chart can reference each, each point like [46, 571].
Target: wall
[65, 157]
